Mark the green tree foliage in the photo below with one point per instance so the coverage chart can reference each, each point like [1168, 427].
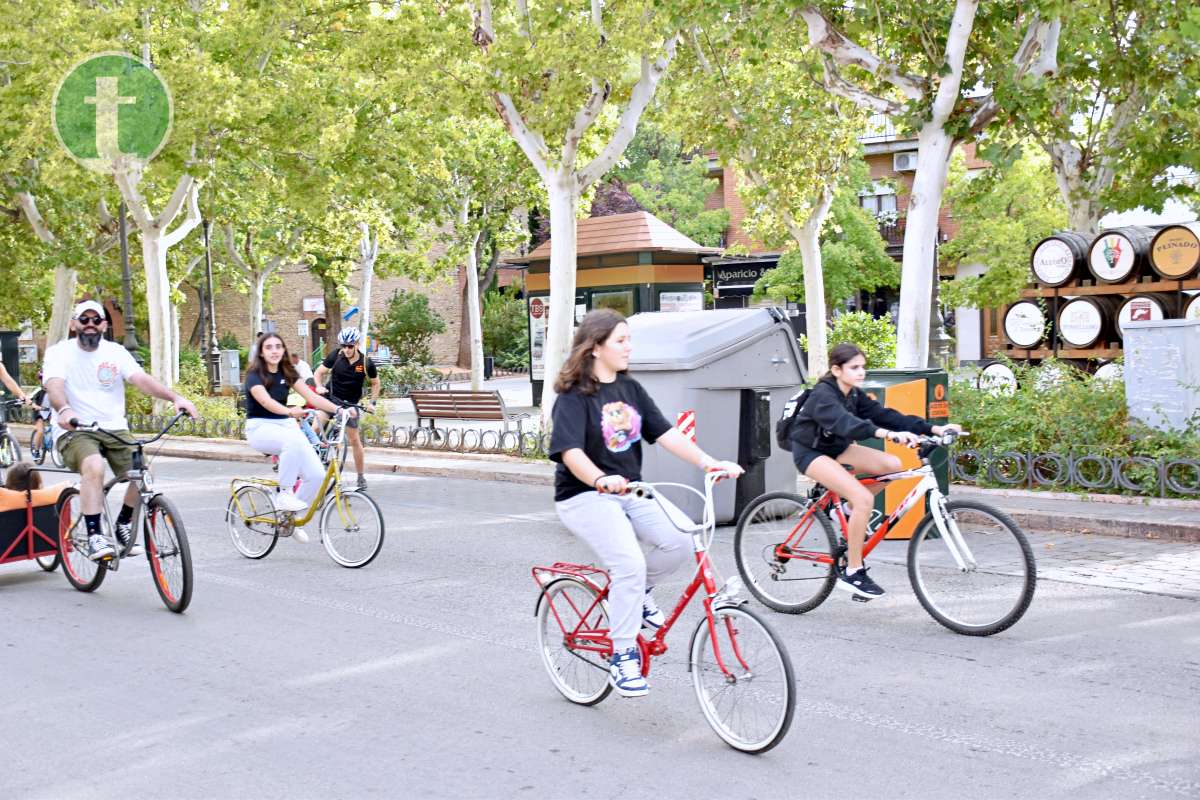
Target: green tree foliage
[675, 192]
[1002, 212]
[1118, 110]
[408, 326]
[853, 258]
[875, 337]
[505, 331]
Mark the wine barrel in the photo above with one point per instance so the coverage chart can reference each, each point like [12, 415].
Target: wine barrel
[1059, 258]
[1109, 371]
[1025, 324]
[997, 378]
[1084, 321]
[1175, 250]
[1146, 307]
[1191, 308]
[1121, 253]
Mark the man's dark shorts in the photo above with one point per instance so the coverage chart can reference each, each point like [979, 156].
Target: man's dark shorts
[75, 446]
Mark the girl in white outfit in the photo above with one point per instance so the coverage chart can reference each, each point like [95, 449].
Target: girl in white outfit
[271, 425]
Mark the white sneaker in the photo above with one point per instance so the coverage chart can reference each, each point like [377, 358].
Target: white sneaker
[286, 501]
[299, 535]
[652, 617]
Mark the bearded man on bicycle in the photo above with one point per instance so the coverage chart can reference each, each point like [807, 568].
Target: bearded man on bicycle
[350, 368]
[85, 379]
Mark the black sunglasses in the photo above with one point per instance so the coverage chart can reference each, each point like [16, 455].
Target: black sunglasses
[90, 319]
[349, 347]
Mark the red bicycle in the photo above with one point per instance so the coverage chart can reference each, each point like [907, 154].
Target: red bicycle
[969, 563]
[741, 672]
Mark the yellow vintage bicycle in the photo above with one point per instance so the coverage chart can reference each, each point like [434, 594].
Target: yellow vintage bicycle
[351, 524]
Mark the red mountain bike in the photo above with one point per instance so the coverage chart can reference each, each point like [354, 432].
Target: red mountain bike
[969, 563]
[741, 672]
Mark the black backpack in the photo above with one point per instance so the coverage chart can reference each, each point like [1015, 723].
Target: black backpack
[791, 410]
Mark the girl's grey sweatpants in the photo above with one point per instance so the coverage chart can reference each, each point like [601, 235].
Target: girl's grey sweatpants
[612, 525]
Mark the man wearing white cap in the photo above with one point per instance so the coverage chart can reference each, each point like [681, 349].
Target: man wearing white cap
[85, 381]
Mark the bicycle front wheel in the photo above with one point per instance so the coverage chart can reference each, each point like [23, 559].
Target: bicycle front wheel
[743, 679]
[48, 563]
[978, 582]
[82, 573]
[10, 451]
[784, 554]
[168, 552]
[572, 629]
[351, 528]
[252, 521]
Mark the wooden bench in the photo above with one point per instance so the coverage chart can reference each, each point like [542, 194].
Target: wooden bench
[435, 405]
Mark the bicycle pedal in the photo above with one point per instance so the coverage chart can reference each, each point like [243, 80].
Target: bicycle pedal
[858, 599]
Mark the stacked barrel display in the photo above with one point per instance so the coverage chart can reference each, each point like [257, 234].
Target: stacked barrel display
[1088, 288]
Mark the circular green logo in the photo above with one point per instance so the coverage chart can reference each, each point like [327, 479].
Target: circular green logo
[110, 107]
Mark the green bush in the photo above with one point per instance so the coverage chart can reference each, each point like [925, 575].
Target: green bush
[408, 326]
[875, 337]
[1074, 414]
[398, 380]
[505, 329]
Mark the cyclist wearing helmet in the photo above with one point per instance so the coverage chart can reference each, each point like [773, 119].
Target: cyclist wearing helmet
[350, 368]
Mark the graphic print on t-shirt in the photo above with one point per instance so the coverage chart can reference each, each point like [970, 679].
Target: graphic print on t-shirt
[621, 425]
[107, 374]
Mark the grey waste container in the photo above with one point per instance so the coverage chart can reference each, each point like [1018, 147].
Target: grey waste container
[734, 369]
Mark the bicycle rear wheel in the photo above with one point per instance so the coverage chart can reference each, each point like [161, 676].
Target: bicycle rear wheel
[252, 521]
[743, 679]
[48, 563]
[994, 586]
[168, 552]
[572, 633]
[351, 528]
[82, 573]
[779, 552]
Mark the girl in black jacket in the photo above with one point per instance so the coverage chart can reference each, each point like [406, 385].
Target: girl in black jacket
[836, 414]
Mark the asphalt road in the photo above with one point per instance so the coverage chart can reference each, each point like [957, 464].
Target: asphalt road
[418, 677]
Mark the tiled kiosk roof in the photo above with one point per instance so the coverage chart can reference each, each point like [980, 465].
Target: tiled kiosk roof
[623, 233]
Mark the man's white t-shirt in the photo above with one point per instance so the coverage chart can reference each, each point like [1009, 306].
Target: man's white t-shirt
[95, 380]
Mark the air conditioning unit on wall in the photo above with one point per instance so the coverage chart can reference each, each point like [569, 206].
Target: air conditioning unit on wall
[904, 162]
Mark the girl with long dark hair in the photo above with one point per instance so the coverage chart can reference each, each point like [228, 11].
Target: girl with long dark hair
[836, 415]
[271, 428]
[600, 419]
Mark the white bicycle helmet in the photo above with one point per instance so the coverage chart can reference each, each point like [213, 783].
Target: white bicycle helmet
[349, 336]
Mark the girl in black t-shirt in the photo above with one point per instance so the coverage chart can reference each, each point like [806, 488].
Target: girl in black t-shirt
[271, 424]
[600, 418]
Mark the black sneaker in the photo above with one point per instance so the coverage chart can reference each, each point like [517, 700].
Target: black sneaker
[125, 537]
[860, 584]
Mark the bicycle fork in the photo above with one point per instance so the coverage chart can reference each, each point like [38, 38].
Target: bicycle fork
[951, 535]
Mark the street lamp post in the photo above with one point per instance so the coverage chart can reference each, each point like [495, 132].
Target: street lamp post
[939, 340]
[214, 352]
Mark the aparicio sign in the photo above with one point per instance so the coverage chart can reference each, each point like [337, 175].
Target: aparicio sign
[739, 274]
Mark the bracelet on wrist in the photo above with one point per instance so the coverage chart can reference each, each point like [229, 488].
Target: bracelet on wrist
[597, 481]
